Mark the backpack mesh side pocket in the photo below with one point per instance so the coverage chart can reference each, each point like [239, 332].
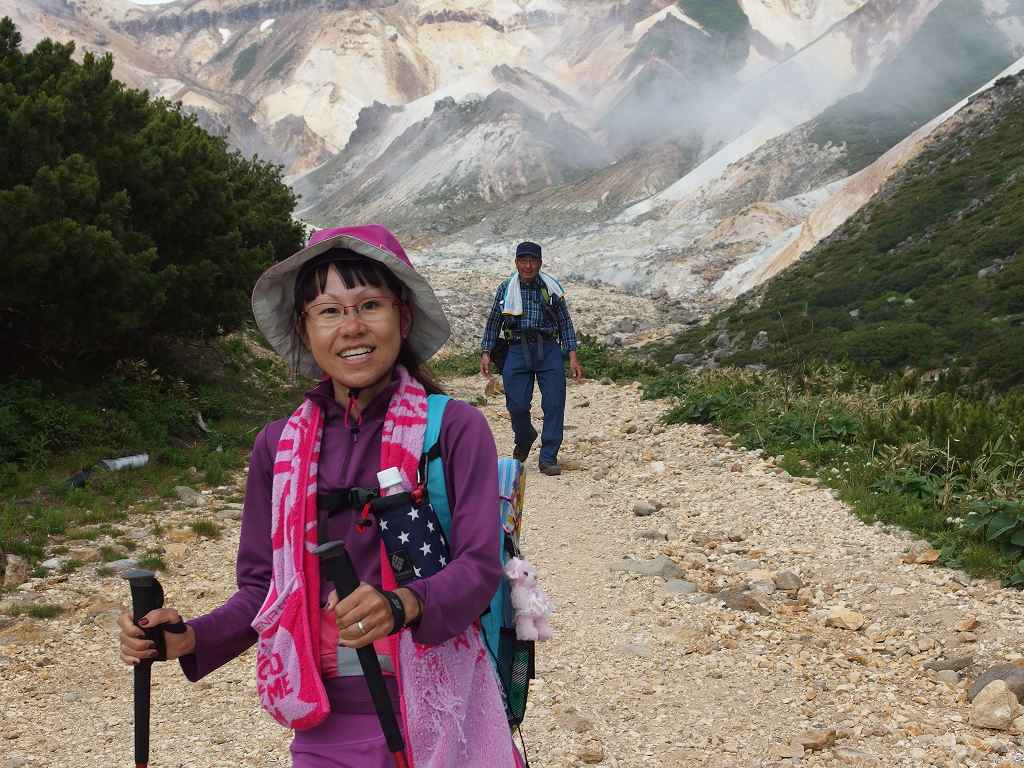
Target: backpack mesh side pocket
[516, 670]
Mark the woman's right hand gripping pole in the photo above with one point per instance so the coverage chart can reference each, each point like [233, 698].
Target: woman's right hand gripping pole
[134, 645]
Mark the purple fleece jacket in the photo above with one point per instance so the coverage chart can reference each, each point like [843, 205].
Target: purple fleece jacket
[452, 598]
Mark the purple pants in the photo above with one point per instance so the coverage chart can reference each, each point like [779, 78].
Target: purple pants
[343, 740]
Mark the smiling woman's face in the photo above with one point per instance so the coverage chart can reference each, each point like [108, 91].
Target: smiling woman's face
[357, 349]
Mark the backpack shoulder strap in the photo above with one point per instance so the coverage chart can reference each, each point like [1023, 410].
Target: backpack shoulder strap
[431, 466]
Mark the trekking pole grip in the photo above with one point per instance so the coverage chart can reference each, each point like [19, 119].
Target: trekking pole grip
[147, 595]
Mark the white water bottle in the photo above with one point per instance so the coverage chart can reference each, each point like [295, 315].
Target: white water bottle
[390, 481]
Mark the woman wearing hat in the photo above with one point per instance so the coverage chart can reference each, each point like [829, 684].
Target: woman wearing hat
[350, 308]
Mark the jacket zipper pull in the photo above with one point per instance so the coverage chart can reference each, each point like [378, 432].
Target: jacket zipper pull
[350, 422]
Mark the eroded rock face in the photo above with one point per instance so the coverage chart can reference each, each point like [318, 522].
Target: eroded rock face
[635, 105]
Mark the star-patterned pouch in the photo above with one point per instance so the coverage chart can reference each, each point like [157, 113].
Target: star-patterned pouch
[412, 535]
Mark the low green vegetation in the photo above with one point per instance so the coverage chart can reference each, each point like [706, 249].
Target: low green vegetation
[206, 529]
[109, 554]
[245, 61]
[724, 17]
[83, 534]
[599, 362]
[232, 382]
[35, 610]
[948, 468]
[152, 562]
[454, 364]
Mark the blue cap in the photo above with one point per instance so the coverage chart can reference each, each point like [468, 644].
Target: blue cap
[526, 248]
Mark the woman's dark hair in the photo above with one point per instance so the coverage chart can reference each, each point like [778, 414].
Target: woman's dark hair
[356, 270]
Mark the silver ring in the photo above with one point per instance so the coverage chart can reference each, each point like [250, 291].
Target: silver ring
[362, 629]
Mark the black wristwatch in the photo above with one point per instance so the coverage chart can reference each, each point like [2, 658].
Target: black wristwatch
[397, 611]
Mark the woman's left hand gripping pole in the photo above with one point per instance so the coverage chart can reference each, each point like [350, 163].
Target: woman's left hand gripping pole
[147, 595]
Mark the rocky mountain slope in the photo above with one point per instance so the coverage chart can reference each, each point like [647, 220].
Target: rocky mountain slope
[707, 236]
[657, 145]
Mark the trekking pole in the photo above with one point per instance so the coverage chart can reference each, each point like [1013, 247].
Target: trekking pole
[147, 595]
[337, 566]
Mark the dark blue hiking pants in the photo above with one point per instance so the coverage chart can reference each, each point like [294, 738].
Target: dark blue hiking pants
[541, 361]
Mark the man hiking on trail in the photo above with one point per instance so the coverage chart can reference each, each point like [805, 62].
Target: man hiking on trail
[528, 328]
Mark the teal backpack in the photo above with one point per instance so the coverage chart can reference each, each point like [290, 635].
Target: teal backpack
[513, 659]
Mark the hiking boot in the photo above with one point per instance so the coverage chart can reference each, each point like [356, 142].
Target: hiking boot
[551, 469]
[520, 452]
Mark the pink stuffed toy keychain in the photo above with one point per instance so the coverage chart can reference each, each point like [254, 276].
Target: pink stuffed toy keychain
[532, 606]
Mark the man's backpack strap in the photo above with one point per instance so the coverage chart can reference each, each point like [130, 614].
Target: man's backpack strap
[431, 466]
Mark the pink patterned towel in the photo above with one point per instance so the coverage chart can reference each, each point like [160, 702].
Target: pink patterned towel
[288, 655]
[451, 706]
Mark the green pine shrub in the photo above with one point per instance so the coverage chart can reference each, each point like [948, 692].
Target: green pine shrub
[123, 221]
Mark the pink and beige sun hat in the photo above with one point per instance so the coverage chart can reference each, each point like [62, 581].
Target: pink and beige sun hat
[273, 298]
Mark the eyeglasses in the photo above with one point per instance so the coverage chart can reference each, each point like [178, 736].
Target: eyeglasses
[327, 315]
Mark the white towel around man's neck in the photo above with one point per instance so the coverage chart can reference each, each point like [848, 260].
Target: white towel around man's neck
[513, 302]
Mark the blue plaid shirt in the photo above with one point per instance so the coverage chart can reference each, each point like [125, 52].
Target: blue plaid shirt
[534, 318]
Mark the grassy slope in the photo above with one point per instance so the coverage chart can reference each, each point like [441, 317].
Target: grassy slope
[898, 284]
[724, 17]
[60, 426]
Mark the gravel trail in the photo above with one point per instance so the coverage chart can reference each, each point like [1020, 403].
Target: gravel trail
[729, 662]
